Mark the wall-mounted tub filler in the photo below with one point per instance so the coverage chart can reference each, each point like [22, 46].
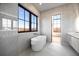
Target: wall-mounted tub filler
[38, 42]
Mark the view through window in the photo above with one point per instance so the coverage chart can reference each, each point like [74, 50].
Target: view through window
[27, 20]
[56, 28]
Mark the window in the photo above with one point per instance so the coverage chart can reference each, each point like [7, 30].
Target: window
[33, 23]
[27, 20]
[6, 24]
[56, 21]
[21, 19]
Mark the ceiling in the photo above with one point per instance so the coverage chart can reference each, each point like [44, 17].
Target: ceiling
[46, 6]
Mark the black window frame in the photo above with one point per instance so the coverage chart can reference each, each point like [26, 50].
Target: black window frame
[30, 19]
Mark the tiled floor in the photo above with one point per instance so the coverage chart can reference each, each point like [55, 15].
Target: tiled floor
[56, 37]
[51, 49]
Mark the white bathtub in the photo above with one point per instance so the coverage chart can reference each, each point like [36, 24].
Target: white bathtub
[38, 42]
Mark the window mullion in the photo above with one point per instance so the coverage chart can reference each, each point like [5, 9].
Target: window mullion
[36, 23]
[30, 22]
[24, 20]
[7, 23]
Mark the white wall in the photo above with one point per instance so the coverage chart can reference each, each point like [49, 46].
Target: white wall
[12, 42]
[8, 39]
[68, 17]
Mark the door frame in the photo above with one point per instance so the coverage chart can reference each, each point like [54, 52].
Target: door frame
[52, 25]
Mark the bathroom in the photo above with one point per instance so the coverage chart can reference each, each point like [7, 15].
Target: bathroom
[13, 42]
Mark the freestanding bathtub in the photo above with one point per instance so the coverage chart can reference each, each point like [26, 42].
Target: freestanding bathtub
[38, 42]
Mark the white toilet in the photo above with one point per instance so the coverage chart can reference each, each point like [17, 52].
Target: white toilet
[38, 43]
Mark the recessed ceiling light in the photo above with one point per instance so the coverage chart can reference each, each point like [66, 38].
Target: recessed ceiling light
[40, 3]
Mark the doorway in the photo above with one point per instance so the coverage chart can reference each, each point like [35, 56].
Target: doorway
[56, 28]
